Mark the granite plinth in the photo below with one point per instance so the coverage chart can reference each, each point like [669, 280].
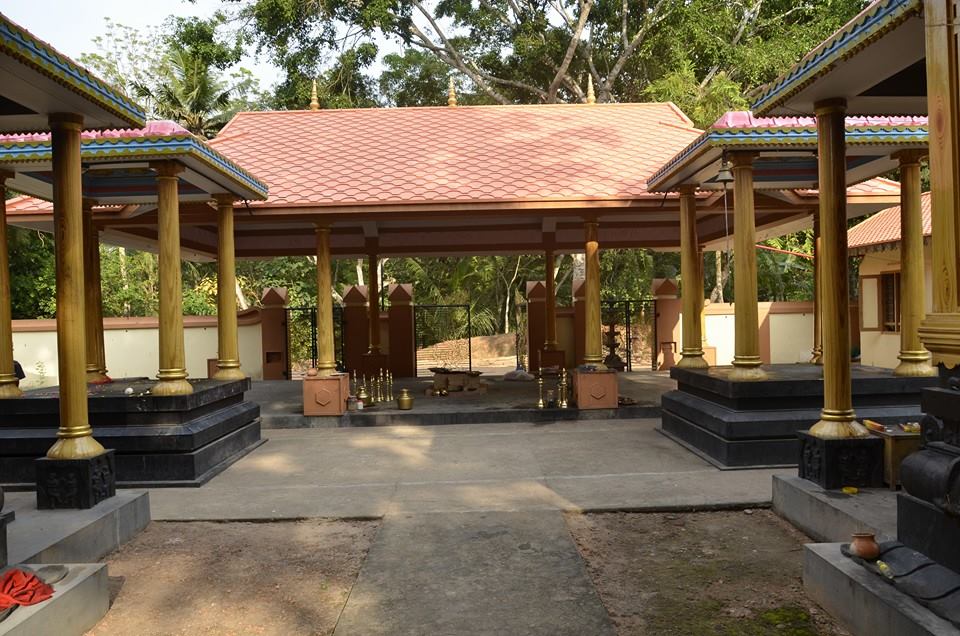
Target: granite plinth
[754, 424]
[5, 519]
[159, 441]
[75, 483]
[835, 463]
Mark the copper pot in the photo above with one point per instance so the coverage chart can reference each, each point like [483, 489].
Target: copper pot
[404, 400]
[864, 545]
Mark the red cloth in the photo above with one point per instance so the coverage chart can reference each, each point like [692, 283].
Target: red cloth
[22, 588]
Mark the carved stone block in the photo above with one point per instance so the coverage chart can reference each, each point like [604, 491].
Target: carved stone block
[835, 463]
[75, 483]
[5, 519]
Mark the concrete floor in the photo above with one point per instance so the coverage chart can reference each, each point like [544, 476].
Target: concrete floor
[372, 472]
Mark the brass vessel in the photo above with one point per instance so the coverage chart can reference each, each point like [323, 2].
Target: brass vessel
[404, 400]
[364, 397]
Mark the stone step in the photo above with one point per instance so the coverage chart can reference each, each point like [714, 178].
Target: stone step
[79, 601]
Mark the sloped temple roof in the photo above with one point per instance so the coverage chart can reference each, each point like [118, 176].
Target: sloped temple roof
[38, 80]
[882, 230]
[461, 180]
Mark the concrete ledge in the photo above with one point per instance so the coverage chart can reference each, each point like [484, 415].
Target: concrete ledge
[863, 602]
[79, 601]
[74, 536]
[827, 515]
[393, 417]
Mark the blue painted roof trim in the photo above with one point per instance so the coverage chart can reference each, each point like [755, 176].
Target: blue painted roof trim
[870, 24]
[23, 45]
[164, 147]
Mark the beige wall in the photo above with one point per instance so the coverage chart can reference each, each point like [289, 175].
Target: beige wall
[881, 348]
[132, 347]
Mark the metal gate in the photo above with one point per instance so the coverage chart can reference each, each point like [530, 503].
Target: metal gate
[632, 325]
[443, 337]
[302, 340]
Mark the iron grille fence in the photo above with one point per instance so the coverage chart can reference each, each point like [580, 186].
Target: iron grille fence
[302, 339]
[633, 325]
[443, 337]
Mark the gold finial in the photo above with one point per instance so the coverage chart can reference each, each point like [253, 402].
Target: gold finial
[314, 100]
[591, 98]
[451, 94]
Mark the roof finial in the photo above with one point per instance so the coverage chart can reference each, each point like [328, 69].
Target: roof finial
[451, 94]
[314, 100]
[591, 98]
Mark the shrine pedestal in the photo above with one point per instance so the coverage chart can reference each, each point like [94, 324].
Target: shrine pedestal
[552, 359]
[326, 395]
[595, 389]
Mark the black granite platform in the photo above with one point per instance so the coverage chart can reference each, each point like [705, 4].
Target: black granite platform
[159, 441]
[752, 424]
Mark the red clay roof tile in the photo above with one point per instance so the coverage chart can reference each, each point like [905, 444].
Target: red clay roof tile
[884, 226]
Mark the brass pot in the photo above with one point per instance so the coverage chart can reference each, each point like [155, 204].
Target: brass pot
[864, 545]
[404, 400]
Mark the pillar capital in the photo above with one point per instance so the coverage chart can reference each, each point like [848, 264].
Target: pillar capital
[688, 189]
[66, 121]
[224, 199]
[166, 168]
[742, 159]
[6, 174]
[830, 106]
[910, 157]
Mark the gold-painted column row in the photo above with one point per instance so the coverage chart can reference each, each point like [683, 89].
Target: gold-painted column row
[914, 359]
[550, 304]
[173, 373]
[593, 350]
[228, 338]
[816, 355]
[746, 359]
[691, 272]
[74, 436]
[326, 356]
[93, 300]
[8, 379]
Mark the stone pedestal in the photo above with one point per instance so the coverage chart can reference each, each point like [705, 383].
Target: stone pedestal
[373, 363]
[835, 463]
[595, 390]
[326, 395]
[552, 359]
[75, 483]
[5, 519]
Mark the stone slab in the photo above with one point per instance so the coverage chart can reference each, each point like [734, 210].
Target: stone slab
[929, 530]
[474, 573]
[833, 516]
[79, 601]
[863, 602]
[74, 536]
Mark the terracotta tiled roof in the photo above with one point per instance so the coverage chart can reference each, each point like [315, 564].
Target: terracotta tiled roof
[746, 119]
[468, 153]
[884, 227]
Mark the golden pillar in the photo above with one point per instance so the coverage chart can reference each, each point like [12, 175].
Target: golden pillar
[940, 330]
[228, 339]
[173, 372]
[8, 379]
[326, 360]
[550, 306]
[691, 272]
[746, 358]
[93, 299]
[373, 306]
[593, 350]
[74, 437]
[914, 359]
[837, 419]
[816, 355]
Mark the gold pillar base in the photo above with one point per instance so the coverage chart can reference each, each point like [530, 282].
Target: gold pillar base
[172, 382]
[597, 363]
[914, 364]
[75, 448]
[816, 357]
[229, 371]
[9, 388]
[747, 370]
[550, 346]
[692, 360]
[838, 425]
[326, 369]
[97, 376]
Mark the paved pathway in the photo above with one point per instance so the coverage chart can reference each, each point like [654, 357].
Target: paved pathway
[371, 472]
[473, 539]
[474, 573]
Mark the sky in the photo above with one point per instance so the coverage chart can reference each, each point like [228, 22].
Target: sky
[70, 25]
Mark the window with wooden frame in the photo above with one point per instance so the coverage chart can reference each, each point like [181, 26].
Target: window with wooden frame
[890, 301]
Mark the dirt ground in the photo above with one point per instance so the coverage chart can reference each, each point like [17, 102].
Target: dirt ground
[228, 579]
[711, 573]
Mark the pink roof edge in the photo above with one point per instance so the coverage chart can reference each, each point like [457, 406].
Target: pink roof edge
[158, 128]
[746, 119]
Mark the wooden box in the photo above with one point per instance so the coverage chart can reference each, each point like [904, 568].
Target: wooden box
[897, 444]
[595, 390]
[326, 395]
[552, 359]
